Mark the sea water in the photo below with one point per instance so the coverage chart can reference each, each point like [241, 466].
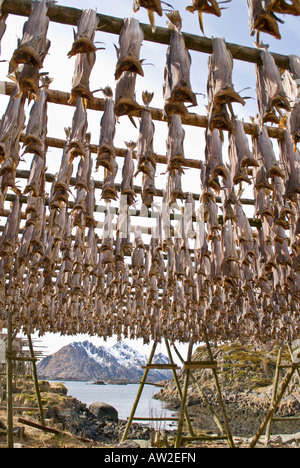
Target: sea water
[122, 398]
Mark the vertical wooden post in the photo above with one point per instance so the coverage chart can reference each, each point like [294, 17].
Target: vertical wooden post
[226, 423]
[275, 388]
[205, 400]
[284, 385]
[184, 397]
[179, 389]
[9, 381]
[138, 396]
[36, 381]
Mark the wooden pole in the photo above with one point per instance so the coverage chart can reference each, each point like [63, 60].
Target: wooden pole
[275, 388]
[184, 397]
[51, 430]
[284, 385]
[139, 393]
[228, 430]
[192, 119]
[67, 15]
[36, 381]
[9, 381]
[205, 400]
[179, 389]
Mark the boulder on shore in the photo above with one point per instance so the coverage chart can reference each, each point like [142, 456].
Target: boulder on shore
[103, 410]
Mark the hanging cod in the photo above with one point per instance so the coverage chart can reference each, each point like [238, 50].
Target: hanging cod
[263, 19]
[221, 92]
[85, 51]
[177, 86]
[271, 96]
[28, 58]
[128, 66]
[290, 80]
[106, 157]
[206, 6]
[145, 152]
[152, 6]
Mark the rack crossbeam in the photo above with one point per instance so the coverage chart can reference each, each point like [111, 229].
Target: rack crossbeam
[67, 15]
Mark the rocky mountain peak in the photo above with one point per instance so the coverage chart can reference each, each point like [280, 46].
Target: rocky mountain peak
[83, 361]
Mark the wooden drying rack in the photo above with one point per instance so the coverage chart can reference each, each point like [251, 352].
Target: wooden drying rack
[108, 24]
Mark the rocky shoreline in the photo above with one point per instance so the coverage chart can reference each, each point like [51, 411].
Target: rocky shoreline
[69, 415]
[246, 379]
[246, 392]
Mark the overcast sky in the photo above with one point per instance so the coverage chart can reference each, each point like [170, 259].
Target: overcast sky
[233, 26]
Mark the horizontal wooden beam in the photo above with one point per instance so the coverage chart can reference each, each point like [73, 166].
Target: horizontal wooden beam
[68, 15]
[192, 119]
[161, 366]
[23, 408]
[54, 431]
[203, 437]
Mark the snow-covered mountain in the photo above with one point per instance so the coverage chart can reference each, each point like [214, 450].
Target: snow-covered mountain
[85, 362]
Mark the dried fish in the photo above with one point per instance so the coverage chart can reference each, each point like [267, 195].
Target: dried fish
[214, 159]
[78, 135]
[24, 252]
[10, 233]
[125, 103]
[145, 151]
[84, 37]
[260, 173]
[127, 174]
[152, 6]
[31, 48]
[90, 203]
[262, 20]
[266, 151]
[222, 67]
[3, 19]
[36, 130]
[36, 180]
[148, 186]
[177, 85]
[218, 116]
[295, 66]
[263, 205]
[11, 127]
[84, 65]
[130, 42]
[3, 192]
[292, 162]
[245, 156]
[206, 6]
[175, 144]
[211, 216]
[84, 172]
[174, 187]
[290, 84]
[244, 234]
[271, 96]
[109, 191]
[60, 186]
[106, 151]
[239, 172]
[281, 6]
